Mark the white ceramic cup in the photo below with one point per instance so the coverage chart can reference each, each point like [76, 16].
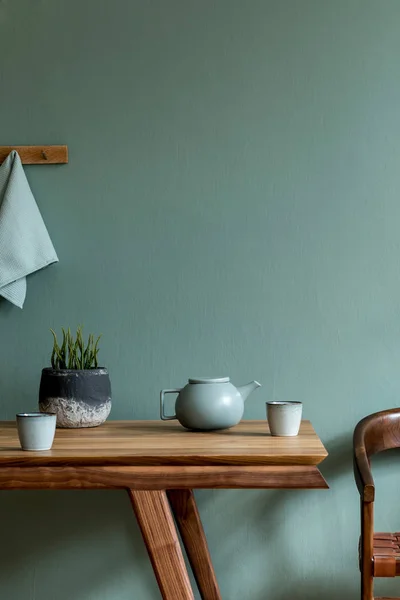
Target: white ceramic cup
[36, 430]
[284, 418]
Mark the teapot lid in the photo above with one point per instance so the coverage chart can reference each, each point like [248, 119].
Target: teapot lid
[209, 380]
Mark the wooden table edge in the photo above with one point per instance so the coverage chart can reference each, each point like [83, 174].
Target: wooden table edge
[86, 447]
[46, 459]
[162, 477]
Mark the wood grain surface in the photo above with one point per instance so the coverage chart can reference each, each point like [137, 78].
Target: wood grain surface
[155, 520]
[187, 517]
[155, 443]
[162, 477]
[373, 434]
[37, 155]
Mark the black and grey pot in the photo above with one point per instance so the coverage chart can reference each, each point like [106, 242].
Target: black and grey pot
[79, 398]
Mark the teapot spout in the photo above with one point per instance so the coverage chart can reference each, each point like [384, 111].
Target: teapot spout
[245, 390]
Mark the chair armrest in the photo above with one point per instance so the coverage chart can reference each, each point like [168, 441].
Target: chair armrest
[362, 469]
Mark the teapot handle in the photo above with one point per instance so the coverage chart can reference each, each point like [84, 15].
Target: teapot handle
[163, 416]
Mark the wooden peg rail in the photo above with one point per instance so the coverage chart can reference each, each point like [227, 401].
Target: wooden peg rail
[37, 155]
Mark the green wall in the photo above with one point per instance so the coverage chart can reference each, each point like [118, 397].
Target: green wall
[231, 206]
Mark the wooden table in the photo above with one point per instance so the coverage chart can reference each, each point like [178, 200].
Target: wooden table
[159, 464]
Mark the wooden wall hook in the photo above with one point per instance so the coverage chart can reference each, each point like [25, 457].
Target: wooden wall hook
[37, 155]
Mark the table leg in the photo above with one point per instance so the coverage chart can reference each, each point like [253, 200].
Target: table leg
[155, 520]
[187, 517]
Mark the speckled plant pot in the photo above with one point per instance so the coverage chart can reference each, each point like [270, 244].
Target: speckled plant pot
[79, 398]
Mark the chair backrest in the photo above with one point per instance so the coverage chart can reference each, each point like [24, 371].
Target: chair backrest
[375, 433]
[379, 431]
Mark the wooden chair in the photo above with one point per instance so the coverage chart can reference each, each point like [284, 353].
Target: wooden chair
[379, 552]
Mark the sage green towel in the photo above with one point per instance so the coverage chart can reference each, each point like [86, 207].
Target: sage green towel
[25, 245]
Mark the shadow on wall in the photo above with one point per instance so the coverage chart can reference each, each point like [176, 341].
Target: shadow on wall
[270, 517]
[339, 461]
[314, 590]
[92, 536]
[7, 309]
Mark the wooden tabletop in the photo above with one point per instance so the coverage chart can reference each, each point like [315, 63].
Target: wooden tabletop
[138, 443]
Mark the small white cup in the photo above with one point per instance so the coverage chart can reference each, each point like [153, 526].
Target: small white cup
[36, 430]
[284, 418]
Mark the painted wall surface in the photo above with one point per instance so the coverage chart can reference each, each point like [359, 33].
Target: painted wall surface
[231, 206]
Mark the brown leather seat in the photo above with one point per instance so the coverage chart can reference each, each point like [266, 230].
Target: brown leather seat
[386, 554]
[379, 552]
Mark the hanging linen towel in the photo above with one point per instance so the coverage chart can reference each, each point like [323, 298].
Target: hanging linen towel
[25, 245]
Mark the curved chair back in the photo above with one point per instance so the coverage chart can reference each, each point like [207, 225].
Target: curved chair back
[375, 433]
[380, 431]
[379, 553]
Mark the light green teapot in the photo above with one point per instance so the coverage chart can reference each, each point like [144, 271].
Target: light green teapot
[206, 404]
